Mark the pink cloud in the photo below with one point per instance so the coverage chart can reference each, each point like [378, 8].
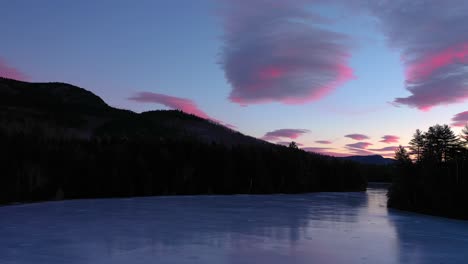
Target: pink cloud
[10, 72]
[431, 36]
[185, 105]
[274, 52]
[359, 145]
[390, 139]
[357, 136]
[284, 133]
[460, 119]
[429, 64]
[323, 142]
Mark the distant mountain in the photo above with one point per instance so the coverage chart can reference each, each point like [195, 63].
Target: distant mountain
[371, 159]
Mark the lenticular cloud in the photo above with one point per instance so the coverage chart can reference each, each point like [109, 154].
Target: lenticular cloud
[273, 51]
[284, 133]
[432, 38]
[359, 145]
[357, 136]
[390, 139]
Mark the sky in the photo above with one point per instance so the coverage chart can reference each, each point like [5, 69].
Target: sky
[339, 77]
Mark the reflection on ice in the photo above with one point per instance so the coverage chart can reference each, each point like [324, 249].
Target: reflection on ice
[306, 228]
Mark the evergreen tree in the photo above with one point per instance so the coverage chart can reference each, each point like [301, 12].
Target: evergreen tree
[465, 134]
[441, 144]
[293, 145]
[417, 145]
[402, 156]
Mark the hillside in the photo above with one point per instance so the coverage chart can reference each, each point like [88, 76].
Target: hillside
[64, 110]
[59, 141]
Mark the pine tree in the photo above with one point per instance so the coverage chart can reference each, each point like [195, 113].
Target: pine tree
[441, 144]
[465, 134]
[417, 144]
[293, 145]
[402, 156]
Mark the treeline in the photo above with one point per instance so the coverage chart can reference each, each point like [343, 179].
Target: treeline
[432, 175]
[35, 168]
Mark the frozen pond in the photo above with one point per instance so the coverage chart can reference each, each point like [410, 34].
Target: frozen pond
[306, 228]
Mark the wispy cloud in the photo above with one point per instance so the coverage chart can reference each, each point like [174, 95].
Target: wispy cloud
[390, 139]
[284, 133]
[10, 72]
[460, 119]
[274, 52]
[431, 36]
[357, 136]
[186, 105]
[325, 142]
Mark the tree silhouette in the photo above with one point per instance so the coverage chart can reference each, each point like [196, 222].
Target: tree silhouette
[417, 144]
[465, 134]
[402, 156]
[441, 144]
[293, 145]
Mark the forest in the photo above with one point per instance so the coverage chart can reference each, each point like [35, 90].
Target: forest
[37, 169]
[432, 174]
[58, 141]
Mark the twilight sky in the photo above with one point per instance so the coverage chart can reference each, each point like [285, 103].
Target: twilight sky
[338, 76]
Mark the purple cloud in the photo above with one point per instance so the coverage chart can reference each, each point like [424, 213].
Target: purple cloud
[359, 145]
[185, 105]
[10, 72]
[323, 142]
[361, 152]
[386, 149]
[434, 48]
[357, 136]
[460, 119]
[284, 133]
[390, 139]
[274, 52]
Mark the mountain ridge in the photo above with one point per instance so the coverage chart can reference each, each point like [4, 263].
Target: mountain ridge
[369, 159]
[59, 106]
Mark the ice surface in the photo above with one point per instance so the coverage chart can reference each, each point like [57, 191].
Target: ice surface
[306, 228]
